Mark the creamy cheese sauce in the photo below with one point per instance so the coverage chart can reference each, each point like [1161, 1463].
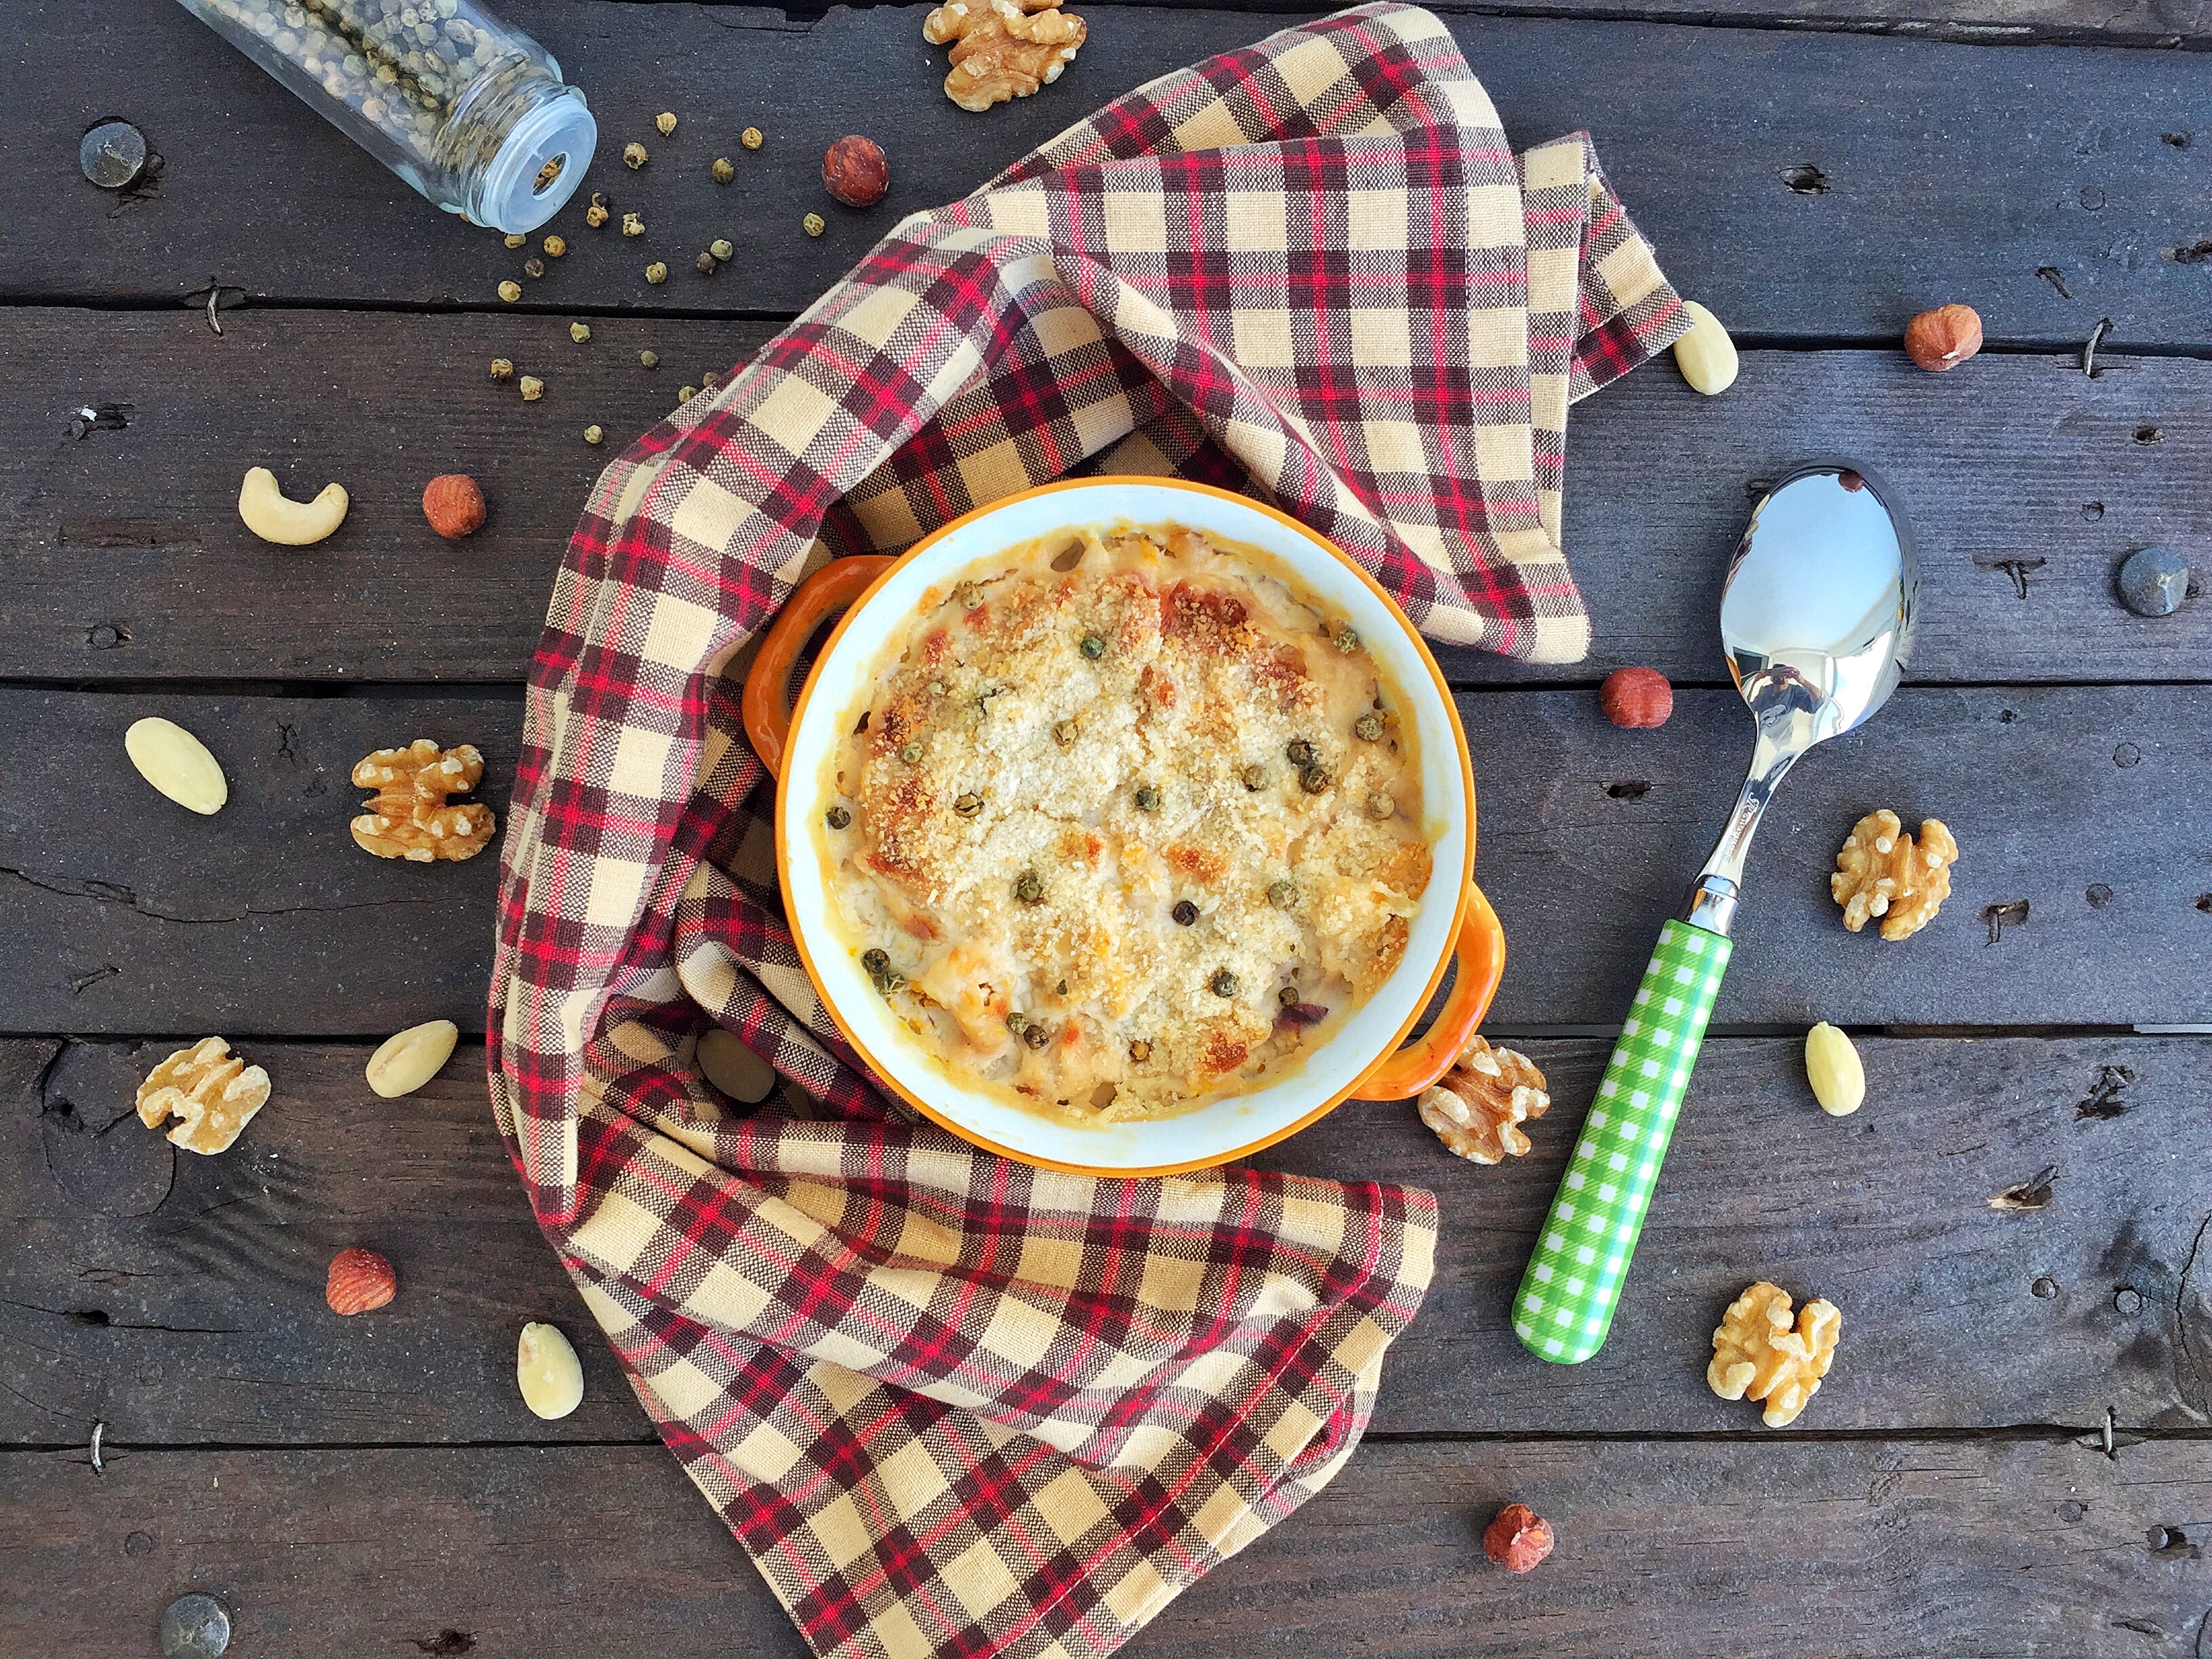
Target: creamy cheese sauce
[1123, 823]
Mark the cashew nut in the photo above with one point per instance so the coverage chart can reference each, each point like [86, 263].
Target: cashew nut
[274, 516]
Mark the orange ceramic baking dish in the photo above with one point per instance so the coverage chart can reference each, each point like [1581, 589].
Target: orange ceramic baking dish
[1363, 1058]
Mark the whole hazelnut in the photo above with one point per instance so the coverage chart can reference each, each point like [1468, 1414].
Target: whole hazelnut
[1944, 337]
[453, 505]
[855, 172]
[1636, 697]
[1517, 1540]
[360, 1282]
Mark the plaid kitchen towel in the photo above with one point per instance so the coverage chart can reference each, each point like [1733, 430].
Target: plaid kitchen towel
[952, 1405]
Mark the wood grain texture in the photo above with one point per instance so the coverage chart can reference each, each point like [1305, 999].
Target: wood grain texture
[128, 915]
[2000, 166]
[1880, 1549]
[131, 562]
[134, 1272]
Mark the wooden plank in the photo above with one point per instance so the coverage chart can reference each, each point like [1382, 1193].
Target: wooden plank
[136, 1273]
[131, 562]
[1889, 1547]
[128, 915]
[1992, 171]
[124, 911]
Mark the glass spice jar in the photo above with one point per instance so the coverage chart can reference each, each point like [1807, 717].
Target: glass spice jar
[469, 110]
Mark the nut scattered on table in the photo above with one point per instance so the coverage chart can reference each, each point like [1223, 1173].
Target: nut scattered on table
[454, 504]
[1943, 338]
[854, 171]
[1832, 1067]
[271, 514]
[1636, 697]
[1882, 873]
[751, 138]
[548, 1372]
[1003, 49]
[1759, 1353]
[404, 1062]
[667, 122]
[1517, 1539]
[510, 290]
[360, 1282]
[634, 156]
[410, 818]
[1477, 1108]
[178, 764]
[1706, 354]
[502, 368]
[733, 1068]
[212, 1092]
[532, 388]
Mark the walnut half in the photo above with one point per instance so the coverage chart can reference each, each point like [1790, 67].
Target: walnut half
[411, 818]
[1486, 1094]
[212, 1092]
[1003, 49]
[1758, 1353]
[1882, 873]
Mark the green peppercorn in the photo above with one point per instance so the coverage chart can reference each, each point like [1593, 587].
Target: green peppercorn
[1315, 778]
[968, 595]
[1347, 641]
[1185, 913]
[1256, 776]
[1287, 995]
[1141, 1051]
[969, 804]
[1299, 752]
[650, 359]
[875, 961]
[723, 171]
[1094, 647]
[889, 981]
[910, 752]
[1282, 894]
[1148, 799]
[1223, 983]
[1368, 727]
[721, 249]
[1029, 887]
[838, 817]
[1380, 805]
[1037, 1036]
[1060, 989]
[1063, 733]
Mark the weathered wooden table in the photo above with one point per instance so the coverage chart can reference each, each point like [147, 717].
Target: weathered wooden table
[2011, 1455]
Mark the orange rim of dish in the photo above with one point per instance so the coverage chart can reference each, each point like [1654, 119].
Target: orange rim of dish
[888, 1075]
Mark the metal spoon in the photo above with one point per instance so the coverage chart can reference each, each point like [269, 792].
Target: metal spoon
[1816, 617]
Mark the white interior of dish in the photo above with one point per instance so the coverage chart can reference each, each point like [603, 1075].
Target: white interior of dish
[1213, 1131]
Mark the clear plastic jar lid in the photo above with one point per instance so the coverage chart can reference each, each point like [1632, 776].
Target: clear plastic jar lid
[511, 197]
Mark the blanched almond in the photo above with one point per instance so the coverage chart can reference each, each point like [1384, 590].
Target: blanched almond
[548, 1372]
[1831, 1066]
[734, 1069]
[402, 1064]
[177, 763]
[1706, 354]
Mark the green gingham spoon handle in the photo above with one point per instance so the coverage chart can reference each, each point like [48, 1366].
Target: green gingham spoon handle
[1565, 1306]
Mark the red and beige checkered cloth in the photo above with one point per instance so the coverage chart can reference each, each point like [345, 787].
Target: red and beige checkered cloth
[952, 1405]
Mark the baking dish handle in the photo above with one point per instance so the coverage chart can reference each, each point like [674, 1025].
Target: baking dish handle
[766, 705]
[1430, 1055]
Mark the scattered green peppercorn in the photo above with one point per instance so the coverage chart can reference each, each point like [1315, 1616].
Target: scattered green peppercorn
[910, 752]
[1256, 776]
[633, 224]
[633, 155]
[1185, 913]
[533, 267]
[875, 961]
[889, 981]
[580, 332]
[1380, 805]
[1037, 1036]
[837, 817]
[1287, 995]
[1029, 887]
[969, 804]
[1299, 752]
[656, 273]
[1347, 641]
[684, 394]
[1315, 778]
[650, 359]
[1223, 983]
[751, 138]
[1017, 1021]
[1148, 799]
[814, 224]
[1063, 733]
[1282, 894]
[1367, 728]
[1093, 647]
[723, 171]
[516, 239]
[721, 249]
[510, 290]
[1141, 1051]
[708, 263]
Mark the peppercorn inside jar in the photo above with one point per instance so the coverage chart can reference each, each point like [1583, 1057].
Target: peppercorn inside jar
[469, 110]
